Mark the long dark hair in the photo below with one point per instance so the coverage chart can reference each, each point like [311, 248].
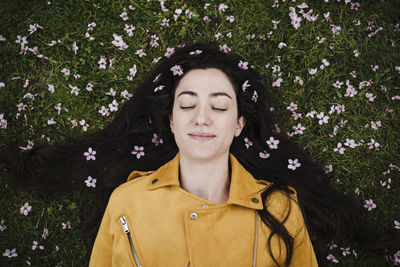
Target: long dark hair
[143, 122]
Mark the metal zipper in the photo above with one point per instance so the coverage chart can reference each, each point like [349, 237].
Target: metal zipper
[128, 233]
[255, 239]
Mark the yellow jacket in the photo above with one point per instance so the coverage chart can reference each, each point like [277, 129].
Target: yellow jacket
[151, 221]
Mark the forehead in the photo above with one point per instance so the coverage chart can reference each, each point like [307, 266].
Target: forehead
[206, 81]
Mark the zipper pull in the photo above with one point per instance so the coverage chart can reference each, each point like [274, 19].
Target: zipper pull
[124, 225]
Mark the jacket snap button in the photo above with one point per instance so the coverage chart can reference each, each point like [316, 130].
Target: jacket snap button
[154, 181]
[255, 200]
[193, 216]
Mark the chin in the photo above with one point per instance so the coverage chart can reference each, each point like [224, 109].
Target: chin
[201, 154]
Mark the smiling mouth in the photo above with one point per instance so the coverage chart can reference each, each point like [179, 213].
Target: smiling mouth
[202, 137]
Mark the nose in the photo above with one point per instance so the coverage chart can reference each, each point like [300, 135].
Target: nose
[202, 116]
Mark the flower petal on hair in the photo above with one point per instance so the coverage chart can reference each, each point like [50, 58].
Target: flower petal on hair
[197, 52]
[243, 65]
[255, 96]
[177, 70]
[264, 155]
[158, 88]
[245, 85]
[157, 78]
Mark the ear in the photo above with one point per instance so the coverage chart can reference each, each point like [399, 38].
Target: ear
[241, 122]
[171, 123]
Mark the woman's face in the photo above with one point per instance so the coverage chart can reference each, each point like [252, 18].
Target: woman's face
[205, 114]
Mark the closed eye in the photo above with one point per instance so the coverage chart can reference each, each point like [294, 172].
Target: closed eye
[187, 107]
[220, 109]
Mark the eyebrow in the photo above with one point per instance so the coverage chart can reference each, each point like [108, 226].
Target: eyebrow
[191, 93]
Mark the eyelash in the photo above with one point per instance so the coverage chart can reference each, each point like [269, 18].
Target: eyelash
[218, 109]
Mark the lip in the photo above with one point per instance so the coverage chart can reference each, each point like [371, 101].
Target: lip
[202, 136]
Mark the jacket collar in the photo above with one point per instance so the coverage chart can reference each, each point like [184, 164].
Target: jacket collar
[244, 190]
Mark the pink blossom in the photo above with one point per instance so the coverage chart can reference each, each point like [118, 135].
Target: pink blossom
[104, 111]
[140, 52]
[328, 168]
[277, 82]
[84, 125]
[51, 88]
[113, 106]
[339, 148]
[230, 19]
[335, 29]
[245, 85]
[350, 143]
[396, 224]
[10, 253]
[111, 92]
[197, 52]
[254, 97]
[264, 155]
[37, 245]
[332, 258]
[129, 29]
[89, 87]
[293, 164]
[222, 7]
[312, 71]
[74, 90]
[3, 122]
[299, 129]
[225, 49]
[332, 245]
[247, 142]
[311, 114]
[322, 118]
[292, 106]
[118, 42]
[124, 16]
[125, 94]
[156, 140]
[177, 70]
[65, 71]
[66, 225]
[33, 28]
[243, 65]
[2, 226]
[90, 154]
[370, 97]
[373, 144]
[169, 52]
[296, 116]
[25, 209]
[133, 71]
[356, 53]
[159, 88]
[272, 143]
[138, 151]
[298, 80]
[90, 182]
[165, 22]
[45, 233]
[369, 204]
[74, 47]
[345, 251]
[91, 26]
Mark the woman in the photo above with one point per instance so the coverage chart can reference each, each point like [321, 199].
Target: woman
[194, 209]
[229, 188]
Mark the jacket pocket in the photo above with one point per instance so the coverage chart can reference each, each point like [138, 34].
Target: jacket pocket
[125, 228]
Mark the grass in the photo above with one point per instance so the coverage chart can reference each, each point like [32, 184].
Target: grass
[68, 21]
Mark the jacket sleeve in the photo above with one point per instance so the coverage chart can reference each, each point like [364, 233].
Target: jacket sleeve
[103, 245]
